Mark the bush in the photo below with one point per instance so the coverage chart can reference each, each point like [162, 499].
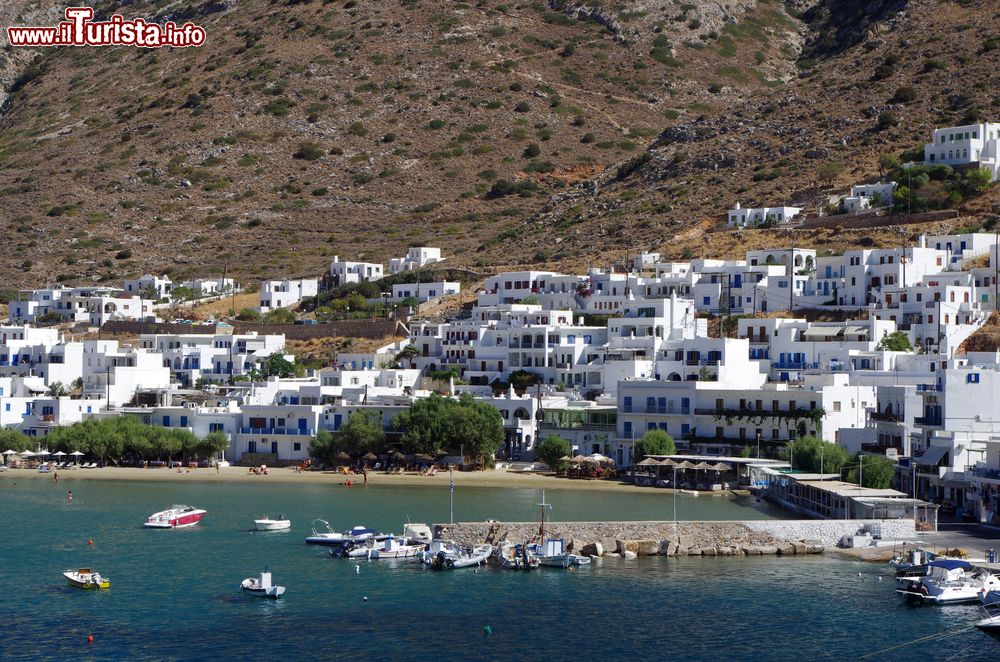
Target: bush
[522, 107]
[248, 315]
[904, 94]
[531, 151]
[123, 254]
[551, 448]
[886, 120]
[503, 187]
[309, 152]
[435, 124]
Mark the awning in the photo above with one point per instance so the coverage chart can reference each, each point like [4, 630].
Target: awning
[932, 455]
[856, 331]
[822, 331]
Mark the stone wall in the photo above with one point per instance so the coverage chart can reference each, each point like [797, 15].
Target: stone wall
[676, 539]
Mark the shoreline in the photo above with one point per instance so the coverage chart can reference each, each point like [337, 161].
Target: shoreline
[286, 475]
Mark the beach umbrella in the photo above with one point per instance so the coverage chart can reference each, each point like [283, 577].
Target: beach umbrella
[26, 453]
[667, 462]
[721, 466]
[369, 456]
[565, 458]
[58, 454]
[42, 452]
[703, 465]
[685, 465]
[10, 452]
[343, 457]
[648, 462]
[422, 457]
[77, 453]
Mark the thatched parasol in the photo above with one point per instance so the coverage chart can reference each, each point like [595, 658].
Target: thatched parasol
[667, 462]
[369, 456]
[648, 462]
[422, 457]
[343, 457]
[721, 466]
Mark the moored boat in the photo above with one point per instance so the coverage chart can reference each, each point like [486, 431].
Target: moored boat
[87, 579]
[990, 623]
[512, 556]
[389, 548]
[175, 517]
[323, 534]
[554, 555]
[272, 524]
[261, 586]
[446, 555]
[948, 581]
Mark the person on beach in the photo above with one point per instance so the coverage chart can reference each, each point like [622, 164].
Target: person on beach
[364, 472]
[55, 476]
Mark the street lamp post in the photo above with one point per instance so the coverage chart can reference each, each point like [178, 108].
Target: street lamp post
[674, 485]
[758, 445]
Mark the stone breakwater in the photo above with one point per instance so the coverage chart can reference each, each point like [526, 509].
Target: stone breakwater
[750, 538]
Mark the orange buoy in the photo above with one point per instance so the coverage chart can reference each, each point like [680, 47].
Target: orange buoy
[90, 638]
[90, 541]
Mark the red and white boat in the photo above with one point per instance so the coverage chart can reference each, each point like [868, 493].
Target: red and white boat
[175, 517]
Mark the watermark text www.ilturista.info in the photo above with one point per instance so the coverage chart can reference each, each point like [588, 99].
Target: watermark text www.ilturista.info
[79, 29]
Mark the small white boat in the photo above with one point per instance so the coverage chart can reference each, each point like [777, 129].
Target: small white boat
[949, 581]
[85, 578]
[990, 623]
[689, 492]
[446, 555]
[323, 534]
[512, 556]
[175, 517]
[390, 548]
[261, 586]
[554, 555]
[266, 524]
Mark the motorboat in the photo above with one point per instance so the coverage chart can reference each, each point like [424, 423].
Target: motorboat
[515, 556]
[266, 524]
[261, 586]
[417, 533]
[323, 534]
[446, 555]
[990, 623]
[87, 579]
[389, 548]
[949, 581]
[689, 492]
[552, 553]
[175, 517]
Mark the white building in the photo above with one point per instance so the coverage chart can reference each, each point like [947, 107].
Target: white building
[424, 292]
[116, 373]
[206, 287]
[755, 216]
[344, 272]
[276, 294]
[415, 258]
[866, 196]
[157, 286]
[971, 144]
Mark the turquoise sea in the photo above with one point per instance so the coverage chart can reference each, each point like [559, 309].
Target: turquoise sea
[175, 594]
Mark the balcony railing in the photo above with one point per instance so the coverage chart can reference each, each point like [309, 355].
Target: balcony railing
[927, 420]
[286, 431]
[927, 388]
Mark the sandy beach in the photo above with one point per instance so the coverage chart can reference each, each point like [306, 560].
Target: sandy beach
[489, 478]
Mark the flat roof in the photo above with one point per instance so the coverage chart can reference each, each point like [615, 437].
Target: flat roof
[841, 488]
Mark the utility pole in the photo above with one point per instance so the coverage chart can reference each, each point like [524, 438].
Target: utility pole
[791, 284]
[996, 268]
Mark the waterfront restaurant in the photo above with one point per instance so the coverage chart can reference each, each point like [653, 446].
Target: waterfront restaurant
[825, 496]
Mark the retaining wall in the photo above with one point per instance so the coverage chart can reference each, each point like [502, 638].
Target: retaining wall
[736, 538]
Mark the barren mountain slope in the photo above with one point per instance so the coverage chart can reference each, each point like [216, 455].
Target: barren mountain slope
[497, 131]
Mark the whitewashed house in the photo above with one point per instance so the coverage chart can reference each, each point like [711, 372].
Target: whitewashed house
[424, 292]
[866, 196]
[420, 256]
[276, 294]
[144, 286]
[740, 217]
[343, 272]
[971, 144]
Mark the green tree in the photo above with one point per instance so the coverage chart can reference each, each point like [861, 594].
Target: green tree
[897, 341]
[522, 379]
[828, 172]
[887, 163]
[213, 443]
[324, 447]
[552, 448]
[50, 318]
[437, 423]
[57, 390]
[276, 365]
[14, 440]
[181, 294]
[654, 442]
[813, 454]
[978, 179]
[876, 471]
[362, 433]
[407, 354]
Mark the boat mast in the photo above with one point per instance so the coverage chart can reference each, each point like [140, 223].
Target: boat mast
[543, 506]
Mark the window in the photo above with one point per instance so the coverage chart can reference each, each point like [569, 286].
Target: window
[836, 405]
[972, 378]
[297, 446]
[627, 405]
[627, 429]
[166, 421]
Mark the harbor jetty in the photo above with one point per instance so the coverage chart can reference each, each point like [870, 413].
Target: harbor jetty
[735, 538]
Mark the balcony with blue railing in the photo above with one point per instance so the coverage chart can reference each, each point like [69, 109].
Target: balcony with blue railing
[928, 388]
[795, 365]
[308, 432]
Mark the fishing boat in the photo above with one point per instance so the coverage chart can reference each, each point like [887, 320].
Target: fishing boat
[389, 548]
[949, 581]
[323, 534]
[261, 586]
[175, 517]
[910, 559]
[446, 555]
[266, 524]
[512, 556]
[554, 555]
[87, 579]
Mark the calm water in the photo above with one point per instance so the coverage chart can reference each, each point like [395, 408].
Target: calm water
[174, 593]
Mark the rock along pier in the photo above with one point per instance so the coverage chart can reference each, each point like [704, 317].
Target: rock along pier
[736, 538]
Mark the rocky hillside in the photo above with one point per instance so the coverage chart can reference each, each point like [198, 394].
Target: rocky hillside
[539, 132]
